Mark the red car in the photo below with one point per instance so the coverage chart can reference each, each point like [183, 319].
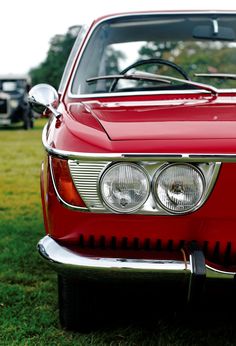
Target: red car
[139, 178]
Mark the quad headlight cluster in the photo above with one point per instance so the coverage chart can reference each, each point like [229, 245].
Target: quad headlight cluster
[177, 188]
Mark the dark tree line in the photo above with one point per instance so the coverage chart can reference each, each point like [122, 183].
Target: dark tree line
[51, 69]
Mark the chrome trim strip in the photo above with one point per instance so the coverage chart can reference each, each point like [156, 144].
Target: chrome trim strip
[213, 271]
[164, 157]
[56, 254]
[140, 93]
[160, 13]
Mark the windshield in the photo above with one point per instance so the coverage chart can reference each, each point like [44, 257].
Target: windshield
[180, 46]
[13, 86]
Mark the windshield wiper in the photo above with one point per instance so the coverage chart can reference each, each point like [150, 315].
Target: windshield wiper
[132, 76]
[158, 78]
[216, 75]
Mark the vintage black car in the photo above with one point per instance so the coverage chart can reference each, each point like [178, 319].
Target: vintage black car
[14, 106]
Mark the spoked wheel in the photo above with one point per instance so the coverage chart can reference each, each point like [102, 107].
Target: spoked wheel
[76, 305]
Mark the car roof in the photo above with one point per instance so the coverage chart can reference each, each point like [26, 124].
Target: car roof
[153, 12]
[12, 76]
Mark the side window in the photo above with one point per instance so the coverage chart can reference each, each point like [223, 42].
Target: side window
[71, 58]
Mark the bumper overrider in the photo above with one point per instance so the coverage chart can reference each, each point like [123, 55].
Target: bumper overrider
[191, 271]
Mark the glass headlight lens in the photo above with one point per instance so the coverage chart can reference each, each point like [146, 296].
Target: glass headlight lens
[124, 187]
[14, 103]
[179, 188]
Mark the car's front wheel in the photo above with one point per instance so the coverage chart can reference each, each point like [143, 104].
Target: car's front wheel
[76, 304]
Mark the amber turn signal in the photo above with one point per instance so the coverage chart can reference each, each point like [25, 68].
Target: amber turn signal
[64, 184]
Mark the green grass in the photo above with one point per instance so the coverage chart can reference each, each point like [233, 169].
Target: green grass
[28, 294]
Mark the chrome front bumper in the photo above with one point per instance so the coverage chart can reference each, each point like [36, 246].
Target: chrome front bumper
[191, 273]
[66, 261]
[5, 121]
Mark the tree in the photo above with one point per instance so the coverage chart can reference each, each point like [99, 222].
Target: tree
[193, 57]
[51, 69]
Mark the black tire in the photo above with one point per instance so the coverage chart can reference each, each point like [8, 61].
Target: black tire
[76, 305]
[31, 123]
[28, 120]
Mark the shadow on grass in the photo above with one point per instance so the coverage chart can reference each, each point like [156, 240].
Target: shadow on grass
[11, 127]
[38, 124]
[164, 312]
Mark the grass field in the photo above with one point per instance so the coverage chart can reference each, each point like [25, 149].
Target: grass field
[28, 294]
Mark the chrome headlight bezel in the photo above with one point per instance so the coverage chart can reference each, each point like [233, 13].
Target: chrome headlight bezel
[155, 181]
[86, 175]
[138, 205]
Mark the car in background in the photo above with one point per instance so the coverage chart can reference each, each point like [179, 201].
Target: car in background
[14, 106]
[138, 181]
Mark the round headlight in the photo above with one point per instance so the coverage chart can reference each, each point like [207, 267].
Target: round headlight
[179, 187]
[124, 187]
[14, 103]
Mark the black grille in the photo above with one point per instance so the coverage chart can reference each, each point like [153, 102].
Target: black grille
[216, 253]
[221, 254]
[3, 106]
[125, 243]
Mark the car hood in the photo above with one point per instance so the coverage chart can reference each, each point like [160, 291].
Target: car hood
[164, 119]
